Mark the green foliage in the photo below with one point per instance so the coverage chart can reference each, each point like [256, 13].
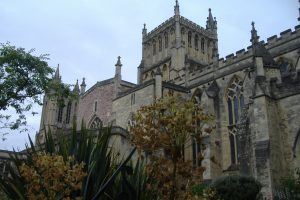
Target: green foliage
[291, 186]
[233, 188]
[24, 77]
[198, 189]
[99, 165]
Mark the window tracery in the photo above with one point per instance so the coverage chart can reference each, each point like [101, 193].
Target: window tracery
[96, 123]
[235, 104]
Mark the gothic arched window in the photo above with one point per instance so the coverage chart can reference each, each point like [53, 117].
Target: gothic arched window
[96, 123]
[68, 116]
[202, 45]
[60, 114]
[196, 42]
[159, 44]
[235, 104]
[190, 39]
[196, 145]
[154, 47]
[166, 40]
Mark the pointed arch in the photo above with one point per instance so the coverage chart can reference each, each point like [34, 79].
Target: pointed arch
[189, 39]
[234, 95]
[166, 40]
[154, 47]
[196, 144]
[196, 42]
[159, 44]
[95, 123]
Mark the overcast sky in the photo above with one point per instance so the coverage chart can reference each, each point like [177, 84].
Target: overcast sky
[86, 36]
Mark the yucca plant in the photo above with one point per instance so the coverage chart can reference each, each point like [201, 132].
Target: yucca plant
[105, 175]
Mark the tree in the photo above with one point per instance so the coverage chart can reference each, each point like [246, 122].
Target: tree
[24, 77]
[162, 130]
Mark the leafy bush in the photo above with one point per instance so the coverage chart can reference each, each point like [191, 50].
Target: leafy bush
[198, 189]
[101, 173]
[234, 188]
[291, 186]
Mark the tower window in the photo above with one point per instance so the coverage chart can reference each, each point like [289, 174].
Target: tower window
[68, 113]
[154, 47]
[202, 45]
[196, 42]
[166, 40]
[190, 39]
[159, 44]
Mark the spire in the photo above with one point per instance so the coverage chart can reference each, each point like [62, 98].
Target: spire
[76, 88]
[83, 82]
[254, 37]
[299, 12]
[56, 75]
[144, 30]
[176, 8]
[211, 22]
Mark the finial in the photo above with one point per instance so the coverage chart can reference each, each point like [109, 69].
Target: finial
[76, 87]
[176, 8]
[254, 37]
[83, 82]
[56, 75]
[144, 30]
[119, 61]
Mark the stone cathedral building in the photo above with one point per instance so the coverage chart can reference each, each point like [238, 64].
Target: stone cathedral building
[254, 95]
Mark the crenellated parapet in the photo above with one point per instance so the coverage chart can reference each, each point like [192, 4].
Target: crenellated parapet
[272, 42]
[192, 25]
[161, 28]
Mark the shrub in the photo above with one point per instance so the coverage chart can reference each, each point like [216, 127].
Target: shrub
[234, 188]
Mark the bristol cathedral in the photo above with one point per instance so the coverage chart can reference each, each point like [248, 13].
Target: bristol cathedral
[254, 95]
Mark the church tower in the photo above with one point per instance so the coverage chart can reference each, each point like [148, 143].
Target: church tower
[57, 114]
[177, 45]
